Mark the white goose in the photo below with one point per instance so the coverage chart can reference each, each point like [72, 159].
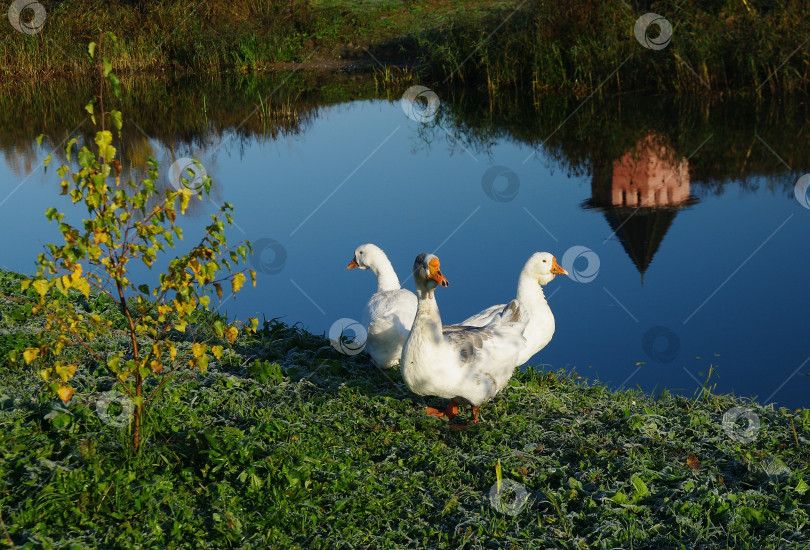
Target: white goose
[468, 365]
[539, 270]
[389, 313]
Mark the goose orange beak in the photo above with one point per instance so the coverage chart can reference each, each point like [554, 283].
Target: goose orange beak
[556, 268]
[353, 264]
[439, 278]
[436, 274]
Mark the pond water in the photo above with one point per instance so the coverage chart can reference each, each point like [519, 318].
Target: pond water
[707, 273]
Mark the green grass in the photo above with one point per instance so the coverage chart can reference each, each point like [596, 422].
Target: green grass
[718, 47]
[286, 443]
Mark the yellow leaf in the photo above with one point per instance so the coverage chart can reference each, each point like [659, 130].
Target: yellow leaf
[237, 282]
[30, 354]
[202, 363]
[103, 138]
[217, 351]
[180, 327]
[198, 349]
[25, 284]
[41, 286]
[45, 374]
[185, 195]
[82, 286]
[231, 333]
[113, 362]
[172, 351]
[65, 372]
[65, 393]
[60, 284]
[58, 347]
[693, 461]
[156, 366]
[218, 288]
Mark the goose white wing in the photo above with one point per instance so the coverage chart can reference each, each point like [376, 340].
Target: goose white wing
[389, 317]
[396, 306]
[485, 317]
[487, 355]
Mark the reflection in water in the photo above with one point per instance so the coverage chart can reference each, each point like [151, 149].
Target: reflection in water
[225, 112]
[641, 196]
[178, 117]
[647, 177]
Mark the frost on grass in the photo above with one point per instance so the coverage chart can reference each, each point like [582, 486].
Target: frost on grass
[284, 442]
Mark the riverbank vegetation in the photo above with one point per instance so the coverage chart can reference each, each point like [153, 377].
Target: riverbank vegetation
[578, 47]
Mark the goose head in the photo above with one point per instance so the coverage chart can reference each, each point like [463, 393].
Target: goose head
[365, 256]
[426, 272]
[543, 267]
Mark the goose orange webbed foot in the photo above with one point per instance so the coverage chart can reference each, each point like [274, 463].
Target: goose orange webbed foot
[450, 412]
[465, 426]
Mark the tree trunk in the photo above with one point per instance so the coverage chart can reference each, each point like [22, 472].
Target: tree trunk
[136, 433]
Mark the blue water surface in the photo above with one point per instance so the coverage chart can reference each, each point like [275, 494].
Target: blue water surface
[726, 290]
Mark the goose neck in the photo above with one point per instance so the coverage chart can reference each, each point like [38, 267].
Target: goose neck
[530, 291]
[386, 276]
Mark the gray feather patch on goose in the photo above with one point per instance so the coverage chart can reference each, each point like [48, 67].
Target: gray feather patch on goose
[467, 341]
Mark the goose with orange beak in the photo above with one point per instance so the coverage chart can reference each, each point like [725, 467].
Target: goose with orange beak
[540, 270]
[389, 313]
[468, 365]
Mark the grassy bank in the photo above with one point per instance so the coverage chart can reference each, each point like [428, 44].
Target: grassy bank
[287, 443]
[753, 46]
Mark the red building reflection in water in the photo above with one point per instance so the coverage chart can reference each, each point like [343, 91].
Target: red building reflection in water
[640, 194]
[648, 176]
